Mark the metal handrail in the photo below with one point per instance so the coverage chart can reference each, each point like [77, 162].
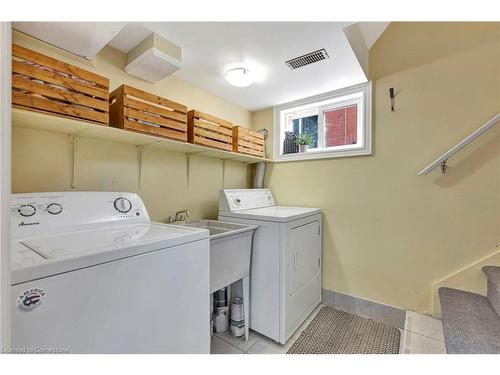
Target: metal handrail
[441, 161]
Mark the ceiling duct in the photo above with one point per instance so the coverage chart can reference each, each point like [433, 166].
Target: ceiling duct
[153, 59]
[307, 59]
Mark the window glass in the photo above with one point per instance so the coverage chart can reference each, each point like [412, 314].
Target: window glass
[310, 125]
[341, 126]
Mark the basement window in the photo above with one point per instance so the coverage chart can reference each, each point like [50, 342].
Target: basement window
[338, 124]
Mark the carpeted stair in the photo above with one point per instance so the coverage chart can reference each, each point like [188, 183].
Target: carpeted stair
[471, 322]
[493, 275]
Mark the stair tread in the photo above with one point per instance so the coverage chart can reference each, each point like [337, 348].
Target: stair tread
[469, 322]
[493, 275]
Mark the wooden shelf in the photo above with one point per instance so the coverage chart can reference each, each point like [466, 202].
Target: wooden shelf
[41, 121]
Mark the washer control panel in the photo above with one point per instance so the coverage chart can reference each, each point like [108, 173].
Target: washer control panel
[54, 208]
[122, 205]
[44, 213]
[26, 210]
[245, 199]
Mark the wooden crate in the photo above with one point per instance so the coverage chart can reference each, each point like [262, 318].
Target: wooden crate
[140, 111]
[43, 84]
[246, 141]
[209, 131]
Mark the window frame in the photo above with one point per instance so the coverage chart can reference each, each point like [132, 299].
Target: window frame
[358, 94]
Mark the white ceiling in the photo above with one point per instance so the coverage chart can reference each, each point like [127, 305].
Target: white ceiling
[211, 48]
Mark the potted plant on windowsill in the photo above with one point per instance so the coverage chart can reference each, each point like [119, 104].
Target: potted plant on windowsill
[304, 140]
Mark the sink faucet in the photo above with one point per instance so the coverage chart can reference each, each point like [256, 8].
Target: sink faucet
[180, 217]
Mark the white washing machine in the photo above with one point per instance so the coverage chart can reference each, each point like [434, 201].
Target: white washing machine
[92, 274]
[285, 273]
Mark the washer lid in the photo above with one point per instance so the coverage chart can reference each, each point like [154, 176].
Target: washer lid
[74, 250]
[74, 244]
[274, 213]
[21, 256]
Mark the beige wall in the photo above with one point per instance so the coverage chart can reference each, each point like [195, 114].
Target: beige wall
[388, 233]
[41, 159]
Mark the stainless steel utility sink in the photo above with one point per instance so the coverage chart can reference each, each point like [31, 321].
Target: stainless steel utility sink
[230, 251]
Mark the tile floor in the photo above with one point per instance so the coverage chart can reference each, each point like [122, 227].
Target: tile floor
[422, 335]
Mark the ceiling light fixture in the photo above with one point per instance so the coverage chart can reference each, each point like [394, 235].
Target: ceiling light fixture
[239, 77]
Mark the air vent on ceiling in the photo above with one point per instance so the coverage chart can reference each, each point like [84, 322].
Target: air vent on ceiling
[307, 59]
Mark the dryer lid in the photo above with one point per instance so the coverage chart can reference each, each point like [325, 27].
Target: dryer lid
[275, 213]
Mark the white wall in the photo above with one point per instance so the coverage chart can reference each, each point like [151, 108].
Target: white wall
[5, 166]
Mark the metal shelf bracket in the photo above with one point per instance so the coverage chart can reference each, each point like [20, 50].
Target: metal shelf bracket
[223, 173]
[73, 149]
[140, 149]
[188, 169]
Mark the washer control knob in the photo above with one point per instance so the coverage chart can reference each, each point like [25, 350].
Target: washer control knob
[122, 205]
[26, 210]
[54, 208]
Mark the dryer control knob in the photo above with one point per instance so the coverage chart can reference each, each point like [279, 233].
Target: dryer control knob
[122, 205]
[26, 210]
[54, 208]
